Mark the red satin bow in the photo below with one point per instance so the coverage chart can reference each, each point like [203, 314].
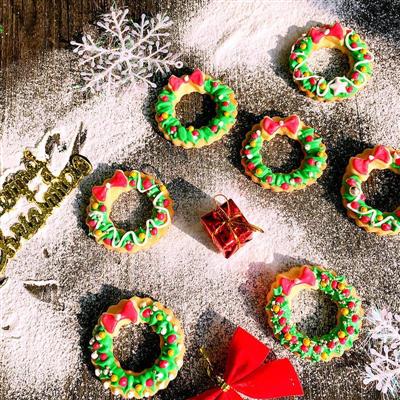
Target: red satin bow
[307, 276]
[361, 165]
[110, 321]
[196, 77]
[318, 33]
[248, 374]
[291, 123]
[118, 180]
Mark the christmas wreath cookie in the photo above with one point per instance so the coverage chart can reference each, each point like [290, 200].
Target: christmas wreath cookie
[338, 37]
[349, 316]
[188, 137]
[357, 172]
[98, 212]
[311, 168]
[130, 384]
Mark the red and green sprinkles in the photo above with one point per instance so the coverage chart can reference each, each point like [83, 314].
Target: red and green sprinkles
[170, 125]
[349, 316]
[357, 172]
[346, 40]
[313, 163]
[146, 383]
[102, 227]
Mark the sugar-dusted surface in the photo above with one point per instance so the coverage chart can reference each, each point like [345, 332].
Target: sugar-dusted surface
[44, 344]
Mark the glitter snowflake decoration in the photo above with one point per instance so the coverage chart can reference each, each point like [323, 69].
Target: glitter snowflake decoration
[125, 51]
[384, 368]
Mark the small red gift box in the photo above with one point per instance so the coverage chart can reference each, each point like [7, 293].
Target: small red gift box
[227, 227]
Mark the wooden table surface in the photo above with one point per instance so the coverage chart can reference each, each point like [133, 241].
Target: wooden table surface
[34, 27]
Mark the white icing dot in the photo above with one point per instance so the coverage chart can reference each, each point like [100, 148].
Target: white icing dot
[220, 97]
[106, 384]
[186, 78]
[163, 331]
[179, 363]
[318, 164]
[371, 158]
[292, 181]
[118, 317]
[250, 156]
[98, 337]
[258, 132]
[297, 280]
[131, 395]
[97, 372]
[327, 31]
[221, 123]
[146, 394]
[307, 147]
[169, 318]
[108, 185]
[310, 174]
[155, 308]
[91, 341]
[143, 304]
[281, 123]
[94, 355]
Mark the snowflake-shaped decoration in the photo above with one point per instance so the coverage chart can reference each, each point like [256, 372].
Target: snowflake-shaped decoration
[125, 51]
[384, 368]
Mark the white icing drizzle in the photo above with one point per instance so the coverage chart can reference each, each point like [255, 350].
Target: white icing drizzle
[100, 218]
[372, 213]
[321, 78]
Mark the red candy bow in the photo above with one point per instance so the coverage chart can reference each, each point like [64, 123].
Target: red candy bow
[318, 33]
[248, 374]
[380, 153]
[196, 77]
[290, 123]
[307, 277]
[110, 321]
[118, 180]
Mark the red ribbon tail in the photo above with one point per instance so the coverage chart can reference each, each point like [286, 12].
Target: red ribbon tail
[119, 179]
[316, 35]
[197, 77]
[337, 31]
[99, 192]
[269, 125]
[277, 378]
[361, 165]
[175, 82]
[382, 154]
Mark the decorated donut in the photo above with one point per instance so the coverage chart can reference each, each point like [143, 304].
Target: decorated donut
[113, 238]
[349, 315]
[146, 383]
[357, 172]
[311, 167]
[337, 37]
[188, 137]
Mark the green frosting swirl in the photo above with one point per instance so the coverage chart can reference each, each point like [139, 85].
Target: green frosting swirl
[333, 343]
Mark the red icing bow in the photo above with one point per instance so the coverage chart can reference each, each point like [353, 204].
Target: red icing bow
[248, 374]
[290, 123]
[110, 321]
[118, 180]
[380, 153]
[318, 33]
[196, 77]
[307, 276]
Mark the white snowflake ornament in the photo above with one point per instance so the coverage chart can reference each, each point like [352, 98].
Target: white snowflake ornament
[125, 52]
[384, 369]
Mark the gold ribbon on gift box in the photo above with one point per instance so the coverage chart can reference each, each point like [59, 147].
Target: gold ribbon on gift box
[231, 221]
[17, 187]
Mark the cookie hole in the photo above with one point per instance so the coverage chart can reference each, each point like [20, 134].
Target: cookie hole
[195, 109]
[329, 63]
[282, 154]
[313, 312]
[131, 210]
[382, 190]
[136, 347]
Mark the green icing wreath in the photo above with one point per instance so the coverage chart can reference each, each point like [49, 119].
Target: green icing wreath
[312, 165]
[349, 316]
[146, 383]
[339, 88]
[188, 137]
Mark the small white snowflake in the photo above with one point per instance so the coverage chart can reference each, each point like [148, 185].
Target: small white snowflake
[125, 51]
[384, 368]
